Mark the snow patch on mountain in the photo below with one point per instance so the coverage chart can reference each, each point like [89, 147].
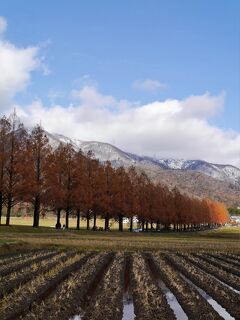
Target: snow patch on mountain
[173, 163]
[107, 152]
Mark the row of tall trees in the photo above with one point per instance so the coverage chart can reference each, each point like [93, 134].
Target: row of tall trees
[64, 180]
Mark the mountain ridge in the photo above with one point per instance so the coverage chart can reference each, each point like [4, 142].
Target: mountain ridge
[196, 177]
[107, 152]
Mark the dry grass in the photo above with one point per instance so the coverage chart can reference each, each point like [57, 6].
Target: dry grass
[50, 221]
[227, 239]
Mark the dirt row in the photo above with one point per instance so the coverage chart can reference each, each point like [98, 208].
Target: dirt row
[226, 297]
[226, 259]
[149, 301]
[35, 290]
[194, 305]
[70, 296]
[61, 285]
[7, 268]
[107, 302]
[220, 264]
[232, 256]
[217, 272]
[8, 258]
[23, 275]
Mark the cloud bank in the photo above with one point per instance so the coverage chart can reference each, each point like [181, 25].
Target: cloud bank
[172, 128]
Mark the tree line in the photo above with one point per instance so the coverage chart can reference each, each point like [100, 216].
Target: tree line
[63, 180]
[234, 211]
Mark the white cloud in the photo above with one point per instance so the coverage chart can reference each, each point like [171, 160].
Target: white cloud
[203, 106]
[15, 69]
[149, 85]
[90, 97]
[16, 66]
[172, 128]
[3, 25]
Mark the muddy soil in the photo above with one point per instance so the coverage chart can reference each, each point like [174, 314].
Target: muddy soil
[220, 274]
[107, 302]
[220, 264]
[70, 296]
[149, 301]
[224, 296]
[20, 277]
[16, 265]
[37, 289]
[195, 306]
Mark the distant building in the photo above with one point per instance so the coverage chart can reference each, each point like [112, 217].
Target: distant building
[235, 220]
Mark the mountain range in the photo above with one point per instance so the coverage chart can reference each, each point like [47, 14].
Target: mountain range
[195, 177]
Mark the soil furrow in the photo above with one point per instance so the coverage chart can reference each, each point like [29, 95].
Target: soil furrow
[225, 259]
[20, 301]
[222, 275]
[66, 300]
[13, 257]
[224, 296]
[16, 265]
[195, 306]
[107, 302]
[149, 301]
[220, 264]
[14, 280]
[232, 256]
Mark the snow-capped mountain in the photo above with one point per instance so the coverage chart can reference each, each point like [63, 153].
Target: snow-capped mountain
[217, 171]
[107, 152]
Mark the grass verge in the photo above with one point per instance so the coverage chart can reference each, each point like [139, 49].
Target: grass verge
[25, 237]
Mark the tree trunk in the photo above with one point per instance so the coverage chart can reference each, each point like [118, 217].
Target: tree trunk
[36, 213]
[9, 207]
[106, 222]
[10, 183]
[78, 219]
[94, 221]
[120, 221]
[1, 207]
[58, 224]
[67, 218]
[143, 225]
[147, 226]
[131, 224]
[88, 220]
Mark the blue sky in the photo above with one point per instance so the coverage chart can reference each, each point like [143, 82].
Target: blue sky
[182, 48]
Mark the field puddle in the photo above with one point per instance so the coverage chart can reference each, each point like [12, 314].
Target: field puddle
[225, 284]
[128, 307]
[172, 301]
[220, 281]
[76, 318]
[216, 306]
